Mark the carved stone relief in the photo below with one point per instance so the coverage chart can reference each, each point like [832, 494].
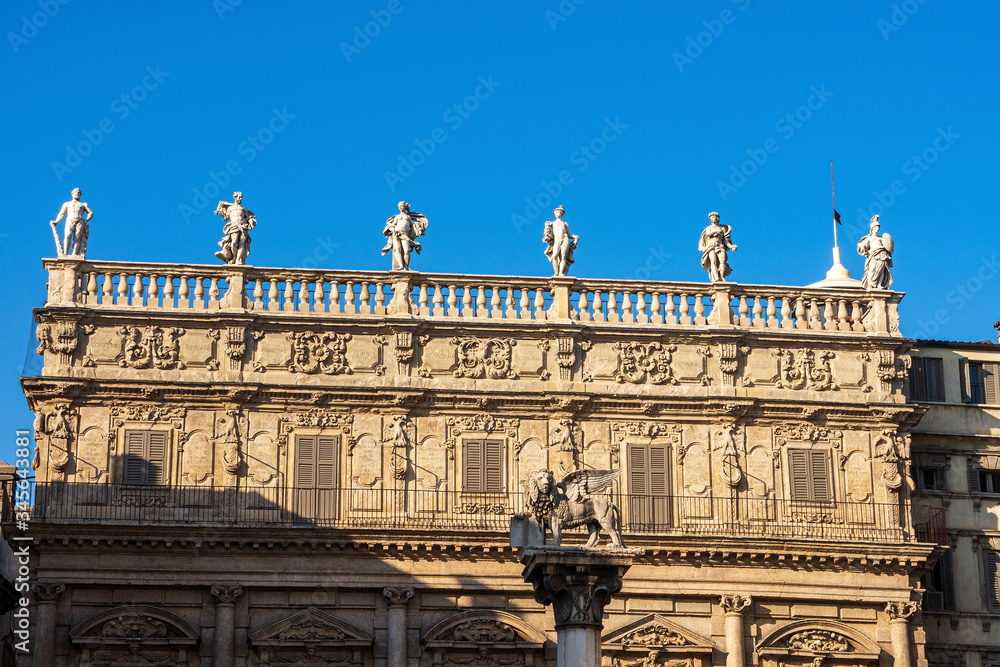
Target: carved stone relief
[262, 464]
[92, 455]
[639, 363]
[397, 434]
[820, 641]
[804, 369]
[891, 371]
[316, 418]
[490, 358]
[729, 362]
[730, 440]
[482, 422]
[60, 337]
[60, 425]
[236, 346]
[565, 442]
[858, 477]
[319, 353]
[198, 458]
[150, 347]
[623, 432]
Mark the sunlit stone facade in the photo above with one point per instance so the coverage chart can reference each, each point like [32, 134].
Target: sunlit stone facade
[250, 466]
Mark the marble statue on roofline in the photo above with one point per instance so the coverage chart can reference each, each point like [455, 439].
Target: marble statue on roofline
[401, 232]
[877, 251]
[715, 243]
[239, 221]
[561, 242]
[78, 215]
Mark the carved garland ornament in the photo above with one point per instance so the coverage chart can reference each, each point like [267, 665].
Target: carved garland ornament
[150, 347]
[638, 363]
[312, 629]
[484, 358]
[319, 352]
[484, 631]
[820, 641]
[135, 627]
[654, 635]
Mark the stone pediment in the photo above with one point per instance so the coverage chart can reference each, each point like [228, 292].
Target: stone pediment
[657, 632]
[471, 629]
[311, 627]
[134, 635]
[810, 639]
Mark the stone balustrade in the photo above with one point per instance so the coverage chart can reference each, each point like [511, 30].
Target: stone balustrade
[133, 286]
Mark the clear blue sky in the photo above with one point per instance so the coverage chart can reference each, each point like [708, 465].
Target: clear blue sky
[646, 106]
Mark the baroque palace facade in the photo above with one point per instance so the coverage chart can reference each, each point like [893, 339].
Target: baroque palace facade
[248, 466]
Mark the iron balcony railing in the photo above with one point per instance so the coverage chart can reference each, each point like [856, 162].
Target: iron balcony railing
[456, 511]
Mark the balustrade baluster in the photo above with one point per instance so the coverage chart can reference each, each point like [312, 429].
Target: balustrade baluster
[671, 308]
[423, 310]
[467, 303]
[495, 312]
[137, 286]
[154, 291]
[685, 318]
[272, 294]
[213, 294]
[699, 309]
[640, 303]
[319, 303]
[452, 301]
[857, 324]
[829, 316]
[525, 311]
[168, 291]
[481, 302]
[843, 323]
[583, 307]
[656, 316]
[350, 307]
[380, 298]
[599, 307]
[334, 296]
[800, 313]
[744, 311]
[438, 302]
[91, 293]
[199, 293]
[786, 312]
[365, 299]
[108, 294]
[814, 321]
[288, 295]
[540, 303]
[122, 289]
[183, 291]
[758, 312]
[772, 314]
[509, 305]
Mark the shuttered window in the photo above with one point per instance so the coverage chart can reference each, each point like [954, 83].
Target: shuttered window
[809, 475]
[927, 379]
[145, 460]
[991, 570]
[482, 466]
[649, 501]
[316, 477]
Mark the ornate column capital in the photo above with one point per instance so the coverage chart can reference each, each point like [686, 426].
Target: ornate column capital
[735, 603]
[901, 611]
[397, 596]
[577, 583]
[226, 595]
[48, 593]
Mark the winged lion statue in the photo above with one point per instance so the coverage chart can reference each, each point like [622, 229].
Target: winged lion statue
[568, 504]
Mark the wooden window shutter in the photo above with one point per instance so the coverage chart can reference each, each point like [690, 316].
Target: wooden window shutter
[991, 382]
[992, 572]
[798, 473]
[964, 381]
[472, 466]
[974, 478]
[637, 470]
[819, 475]
[947, 580]
[658, 470]
[305, 461]
[135, 457]
[918, 385]
[493, 467]
[326, 461]
[934, 374]
[157, 457]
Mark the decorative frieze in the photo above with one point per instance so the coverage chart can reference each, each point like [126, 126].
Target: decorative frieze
[820, 641]
[135, 627]
[312, 629]
[654, 635]
[483, 631]
[319, 353]
[477, 358]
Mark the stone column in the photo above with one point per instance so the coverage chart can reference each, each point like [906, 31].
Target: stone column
[46, 598]
[398, 597]
[734, 606]
[578, 583]
[225, 618]
[899, 630]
